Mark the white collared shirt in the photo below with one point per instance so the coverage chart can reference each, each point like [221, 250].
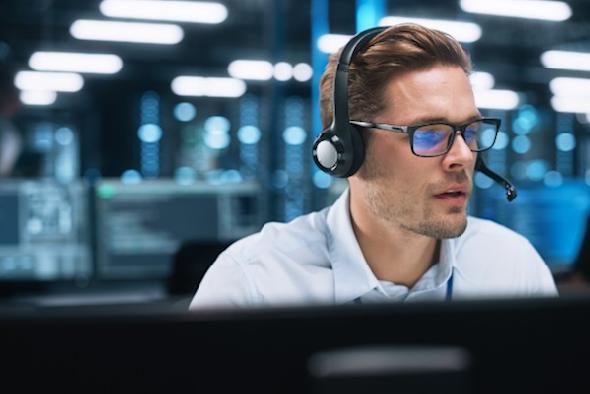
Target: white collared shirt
[316, 259]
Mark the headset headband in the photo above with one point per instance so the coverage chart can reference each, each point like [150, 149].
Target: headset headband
[340, 118]
[339, 149]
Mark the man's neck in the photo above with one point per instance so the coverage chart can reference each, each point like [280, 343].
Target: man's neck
[394, 254]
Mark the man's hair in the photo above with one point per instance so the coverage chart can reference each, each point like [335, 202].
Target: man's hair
[398, 49]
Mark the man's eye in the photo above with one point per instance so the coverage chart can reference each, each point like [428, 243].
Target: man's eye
[431, 136]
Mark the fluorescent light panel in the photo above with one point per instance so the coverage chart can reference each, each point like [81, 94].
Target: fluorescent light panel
[496, 99]
[570, 87]
[181, 11]
[78, 62]
[185, 85]
[53, 81]
[566, 60]
[259, 70]
[37, 97]
[149, 33]
[331, 43]
[571, 104]
[481, 80]
[530, 9]
[462, 31]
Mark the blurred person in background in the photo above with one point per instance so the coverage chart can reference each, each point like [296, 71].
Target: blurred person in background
[400, 232]
[11, 142]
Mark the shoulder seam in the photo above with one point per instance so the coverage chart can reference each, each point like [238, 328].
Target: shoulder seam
[254, 295]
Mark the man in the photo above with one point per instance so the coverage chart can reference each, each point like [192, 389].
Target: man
[401, 231]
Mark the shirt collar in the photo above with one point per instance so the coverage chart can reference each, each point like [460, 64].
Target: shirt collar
[353, 277]
[437, 276]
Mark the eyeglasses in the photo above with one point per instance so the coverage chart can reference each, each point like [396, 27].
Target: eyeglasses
[436, 139]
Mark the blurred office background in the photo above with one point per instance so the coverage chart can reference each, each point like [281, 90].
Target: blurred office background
[145, 138]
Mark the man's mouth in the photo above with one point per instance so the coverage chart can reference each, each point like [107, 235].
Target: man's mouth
[456, 194]
[451, 194]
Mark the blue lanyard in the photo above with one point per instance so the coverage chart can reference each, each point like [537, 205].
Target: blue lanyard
[449, 296]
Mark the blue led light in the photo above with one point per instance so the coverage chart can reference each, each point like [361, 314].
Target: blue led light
[216, 140]
[185, 112]
[536, 169]
[521, 144]
[149, 133]
[322, 180]
[43, 137]
[217, 124]
[130, 177]
[249, 134]
[565, 142]
[520, 126]
[482, 181]
[64, 136]
[185, 175]
[553, 179]
[150, 108]
[502, 141]
[294, 135]
[487, 137]
[231, 176]
[526, 120]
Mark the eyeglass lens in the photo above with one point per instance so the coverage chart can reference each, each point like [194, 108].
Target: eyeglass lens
[433, 140]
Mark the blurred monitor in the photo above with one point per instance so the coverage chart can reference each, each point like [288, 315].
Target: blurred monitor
[141, 226]
[509, 346]
[553, 219]
[43, 236]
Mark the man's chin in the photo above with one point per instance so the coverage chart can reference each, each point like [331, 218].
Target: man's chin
[457, 230]
[444, 227]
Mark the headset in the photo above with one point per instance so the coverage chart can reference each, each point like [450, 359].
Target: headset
[339, 150]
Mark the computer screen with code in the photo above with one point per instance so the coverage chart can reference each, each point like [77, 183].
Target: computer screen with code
[139, 227]
[43, 231]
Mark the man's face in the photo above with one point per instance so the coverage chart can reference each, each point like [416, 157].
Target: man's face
[427, 196]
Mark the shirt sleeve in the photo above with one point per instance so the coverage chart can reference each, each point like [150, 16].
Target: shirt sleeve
[548, 287]
[225, 285]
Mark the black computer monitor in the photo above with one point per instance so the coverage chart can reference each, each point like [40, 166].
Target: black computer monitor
[141, 226]
[495, 346]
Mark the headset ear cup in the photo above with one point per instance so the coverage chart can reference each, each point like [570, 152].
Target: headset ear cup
[358, 150]
[325, 154]
[336, 159]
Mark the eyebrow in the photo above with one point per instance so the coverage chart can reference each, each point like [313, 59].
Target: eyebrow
[445, 120]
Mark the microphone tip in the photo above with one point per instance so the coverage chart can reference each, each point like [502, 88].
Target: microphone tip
[511, 193]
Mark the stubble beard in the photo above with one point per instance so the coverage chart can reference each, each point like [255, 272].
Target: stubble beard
[408, 212]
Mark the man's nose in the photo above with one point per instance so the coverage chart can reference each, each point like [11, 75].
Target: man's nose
[459, 156]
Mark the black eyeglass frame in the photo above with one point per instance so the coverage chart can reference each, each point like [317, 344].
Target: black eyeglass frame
[410, 130]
